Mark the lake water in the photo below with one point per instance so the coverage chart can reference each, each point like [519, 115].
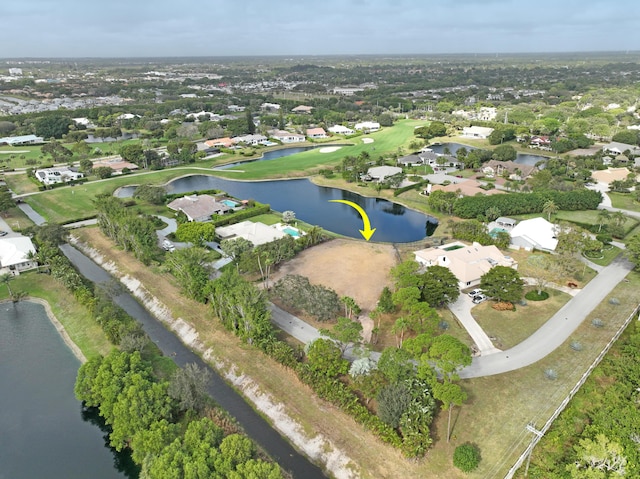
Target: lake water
[44, 431]
[522, 158]
[311, 203]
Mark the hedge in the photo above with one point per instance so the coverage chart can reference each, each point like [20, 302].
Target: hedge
[259, 209]
[415, 186]
[525, 203]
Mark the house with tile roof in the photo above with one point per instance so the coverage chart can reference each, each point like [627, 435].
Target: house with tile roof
[316, 133]
[199, 207]
[514, 171]
[467, 263]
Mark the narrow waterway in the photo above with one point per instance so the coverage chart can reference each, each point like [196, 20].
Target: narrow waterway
[254, 425]
[44, 431]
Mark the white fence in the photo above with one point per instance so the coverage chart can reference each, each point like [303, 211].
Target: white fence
[538, 434]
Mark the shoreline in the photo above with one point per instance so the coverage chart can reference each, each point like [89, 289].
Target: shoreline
[77, 352]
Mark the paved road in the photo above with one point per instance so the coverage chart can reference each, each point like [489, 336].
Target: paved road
[462, 310]
[556, 330]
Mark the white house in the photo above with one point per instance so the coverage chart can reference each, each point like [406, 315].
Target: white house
[536, 233]
[467, 263]
[14, 255]
[21, 140]
[60, 174]
[257, 233]
[617, 148]
[478, 132]
[367, 126]
[287, 137]
[379, 173]
[252, 140]
[316, 133]
[341, 130]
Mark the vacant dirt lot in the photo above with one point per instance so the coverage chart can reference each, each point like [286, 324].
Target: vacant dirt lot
[352, 268]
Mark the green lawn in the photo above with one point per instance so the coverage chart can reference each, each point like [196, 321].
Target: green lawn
[512, 327]
[625, 201]
[608, 254]
[21, 184]
[77, 321]
[385, 141]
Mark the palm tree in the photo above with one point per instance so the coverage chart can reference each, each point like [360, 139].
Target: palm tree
[492, 213]
[619, 218]
[6, 278]
[603, 217]
[549, 208]
[399, 327]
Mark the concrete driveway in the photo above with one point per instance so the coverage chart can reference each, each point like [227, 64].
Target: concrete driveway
[556, 330]
[462, 310]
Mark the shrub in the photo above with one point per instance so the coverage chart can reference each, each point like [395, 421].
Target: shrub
[466, 457]
[577, 345]
[597, 323]
[503, 306]
[550, 374]
[534, 296]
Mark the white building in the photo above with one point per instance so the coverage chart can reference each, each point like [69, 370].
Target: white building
[479, 132]
[257, 233]
[287, 137]
[367, 126]
[341, 130]
[15, 252]
[21, 140]
[61, 174]
[379, 173]
[536, 233]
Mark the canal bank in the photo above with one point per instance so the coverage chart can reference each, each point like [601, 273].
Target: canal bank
[183, 338]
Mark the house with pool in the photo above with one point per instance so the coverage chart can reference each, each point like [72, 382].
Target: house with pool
[203, 207]
[257, 233]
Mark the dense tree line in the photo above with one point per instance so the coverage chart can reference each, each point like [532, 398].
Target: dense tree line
[129, 230]
[524, 203]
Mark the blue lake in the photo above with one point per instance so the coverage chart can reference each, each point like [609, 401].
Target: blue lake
[44, 431]
[522, 158]
[394, 223]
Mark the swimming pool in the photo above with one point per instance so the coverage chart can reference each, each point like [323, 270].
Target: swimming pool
[291, 232]
[494, 232]
[229, 203]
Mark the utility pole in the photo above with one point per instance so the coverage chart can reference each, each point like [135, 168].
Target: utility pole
[534, 440]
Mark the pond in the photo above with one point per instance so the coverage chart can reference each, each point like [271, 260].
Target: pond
[274, 154]
[45, 432]
[522, 158]
[394, 223]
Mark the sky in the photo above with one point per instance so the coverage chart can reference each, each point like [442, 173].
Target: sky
[167, 28]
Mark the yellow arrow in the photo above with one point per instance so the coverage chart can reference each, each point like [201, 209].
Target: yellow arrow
[367, 232]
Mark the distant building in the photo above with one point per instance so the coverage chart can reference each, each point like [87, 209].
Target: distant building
[379, 173]
[617, 148]
[316, 133]
[252, 140]
[270, 107]
[479, 132]
[60, 174]
[15, 72]
[118, 165]
[367, 126]
[21, 140]
[341, 130]
[257, 233]
[287, 137]
[513, 170]
[302, 109]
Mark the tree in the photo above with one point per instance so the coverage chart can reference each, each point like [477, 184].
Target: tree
[598, 458]
[505, 153]
[6, 278]
[604, 216]
[251, 126]
[405, 274]
[325, 357]
[549, 208]
[188, 386]
[633, 250]
[385, 302]
[351, 308]
[503, 284]
[6, 201]
[401, 326]
[466, 457]
[195, 232]
[345, 331]
[233, 248]
[288, 216]
[396, 364]
[543, 269]
[86, 166]
[103, 172]
[439, 286]
[133, 153]
[53, 126]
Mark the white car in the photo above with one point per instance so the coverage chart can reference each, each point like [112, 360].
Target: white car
[479, 298]
[475, 292]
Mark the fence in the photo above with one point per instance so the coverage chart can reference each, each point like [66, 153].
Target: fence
[539, 434]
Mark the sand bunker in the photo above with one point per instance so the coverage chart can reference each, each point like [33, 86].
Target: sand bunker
[367, 140]
[329, 149]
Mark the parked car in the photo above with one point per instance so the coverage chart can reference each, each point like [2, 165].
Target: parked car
[168, 246]
[479, 298]
[3, 233]
[475, 292]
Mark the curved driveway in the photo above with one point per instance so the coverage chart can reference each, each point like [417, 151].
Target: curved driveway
[556, 330]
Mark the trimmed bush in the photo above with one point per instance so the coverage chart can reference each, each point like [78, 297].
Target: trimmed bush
[466, 457]
[503, 306]
[534, 296]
